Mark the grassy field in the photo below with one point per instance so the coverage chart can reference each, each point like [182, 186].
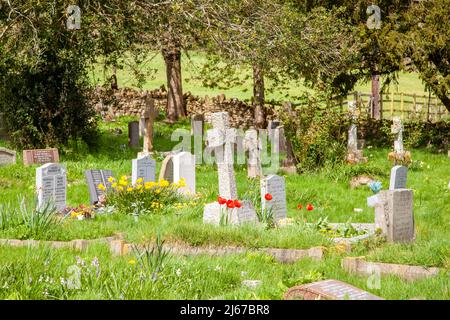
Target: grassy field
[154, 67]
[328, 191]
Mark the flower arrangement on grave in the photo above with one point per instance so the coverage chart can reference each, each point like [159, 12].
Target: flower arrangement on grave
[148, 197]
[400, 158]
[375, 186]
[82, 212]
[345, 230]
[226, 204]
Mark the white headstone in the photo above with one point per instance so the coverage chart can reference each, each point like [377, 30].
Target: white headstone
[51, 185]
[398, 177]
[251, 143]
[143, 167]
[274, 185]
[184, 168]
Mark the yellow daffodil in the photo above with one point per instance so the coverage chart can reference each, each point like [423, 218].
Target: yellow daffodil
[139, 180]
[164, 183]
[132, 261]
[129, 189]
[158, 191]
[101, 187]
[114, 185]
[139, 186]
[124, 178]
[123, 183]
[120, 188]
[111, 179]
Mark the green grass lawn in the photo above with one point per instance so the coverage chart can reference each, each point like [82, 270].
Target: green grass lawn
[328, 191]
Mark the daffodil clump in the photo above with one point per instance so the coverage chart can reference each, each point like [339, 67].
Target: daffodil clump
[154, 196]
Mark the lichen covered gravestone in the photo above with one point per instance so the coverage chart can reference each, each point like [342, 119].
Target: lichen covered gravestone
[275, 186]
[143, 167]
[94, 178]
[51, 185]
[7, 157]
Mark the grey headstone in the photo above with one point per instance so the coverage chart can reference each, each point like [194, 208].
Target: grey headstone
[94, 178]
[7, 156]
[274, 185]
[144, 168]
[166, 171]
[184, 168]
[398, 177]
[51, 181]
[133, 134]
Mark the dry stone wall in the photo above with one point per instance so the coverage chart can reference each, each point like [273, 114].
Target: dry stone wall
[131, 102]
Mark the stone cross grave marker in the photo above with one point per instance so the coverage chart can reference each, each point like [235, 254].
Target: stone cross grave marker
[184, 168]
[329, 290]
[143, 167]
[51, 185]
[94, 178]
[352, 144]
[397, 130]
[133, 134]
[7, 157]
[251, 144]
[394, 215]
[275, 185]
[398, 177]
[221, 138]
[40, 156]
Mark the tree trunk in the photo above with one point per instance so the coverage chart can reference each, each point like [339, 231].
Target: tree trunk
[376, 107]
[258, 97]
[175, 101]
[443, 97]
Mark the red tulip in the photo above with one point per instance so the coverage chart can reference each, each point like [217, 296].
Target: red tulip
[299, 206]
[221, 200]
[268, 196]
[237, 204]
[309, 207]
[230, 204]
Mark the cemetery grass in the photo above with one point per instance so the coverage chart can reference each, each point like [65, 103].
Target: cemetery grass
[328, 191]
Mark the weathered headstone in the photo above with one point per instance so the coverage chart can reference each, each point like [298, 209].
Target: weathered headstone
[397, 130]
[184, 168]
[133, 134]
[274, 185]
[7, 156]
[354, 153]
[40, 156]
[328, 290]
[143, 167]
[214, 213]
[197, 125]
[51, 185]
[150, 115]
[394, 214]
[398, 177]
[94, 178]
[252, 145]
[166, 171]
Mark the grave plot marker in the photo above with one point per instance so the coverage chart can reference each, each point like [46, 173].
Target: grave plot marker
[133, 134]
[184, 168]
[7, 157]
[40, 156]
[275, 185]
[150, 115]
[143, 167]
[94, 178]
[197, 131]
[398, 177]
[51, 185]
[251, 144]
[354, 154]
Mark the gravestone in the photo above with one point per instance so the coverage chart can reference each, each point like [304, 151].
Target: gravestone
[184, 168]
[271, 126]
[398, 177]
[328, 290]
[275, 185]
[394, 214]
[214, 213]
[397, 130]
[354, 152]
[143, 167]
[7, 157]
[51, 185]
[251, 144]
[40, 156]
[221, 139]
[150, 115]
[94, 178]
[197, 128]
[133, 134]
[166, 171]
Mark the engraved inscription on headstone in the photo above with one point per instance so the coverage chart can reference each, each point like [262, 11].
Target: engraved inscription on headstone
[7, 156]
[51, 185]
[184, 168]
[40, 156]
[144, 168]
[398, 177]
[94, 178]
[275, 185]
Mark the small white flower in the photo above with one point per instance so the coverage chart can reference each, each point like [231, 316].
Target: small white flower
[178, 272]
[218, 268]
